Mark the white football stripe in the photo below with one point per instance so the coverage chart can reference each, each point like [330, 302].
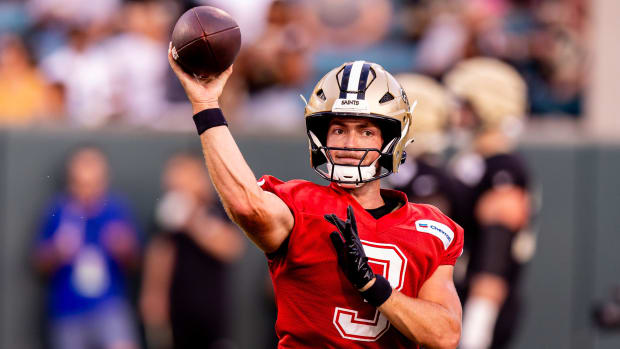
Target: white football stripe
[354, 78]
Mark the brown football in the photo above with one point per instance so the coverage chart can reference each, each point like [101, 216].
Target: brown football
[205, 41]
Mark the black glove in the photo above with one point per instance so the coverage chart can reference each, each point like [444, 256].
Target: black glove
[353, 261]
[351, 256]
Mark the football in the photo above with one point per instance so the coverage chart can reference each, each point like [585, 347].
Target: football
[205, 41]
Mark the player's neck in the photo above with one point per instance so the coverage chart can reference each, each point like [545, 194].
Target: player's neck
[368, 195]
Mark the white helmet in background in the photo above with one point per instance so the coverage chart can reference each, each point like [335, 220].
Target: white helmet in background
[495, 91]
[432, 115]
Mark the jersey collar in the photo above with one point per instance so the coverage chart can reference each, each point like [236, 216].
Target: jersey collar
[396, 217]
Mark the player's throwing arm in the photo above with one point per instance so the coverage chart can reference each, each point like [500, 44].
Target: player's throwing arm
[262, 215]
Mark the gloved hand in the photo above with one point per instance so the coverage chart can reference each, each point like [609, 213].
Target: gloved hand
[351, 256]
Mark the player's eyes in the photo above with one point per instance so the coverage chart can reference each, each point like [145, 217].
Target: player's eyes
[338, 131]
[368, 133]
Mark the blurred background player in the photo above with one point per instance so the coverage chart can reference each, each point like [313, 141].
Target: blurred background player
[185, 286]
[494, 186]
[422, 177]
[86, 245]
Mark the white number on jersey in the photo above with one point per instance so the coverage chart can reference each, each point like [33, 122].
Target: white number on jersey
[394, 263]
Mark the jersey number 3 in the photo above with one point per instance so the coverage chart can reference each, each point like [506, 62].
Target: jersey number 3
[393, 262]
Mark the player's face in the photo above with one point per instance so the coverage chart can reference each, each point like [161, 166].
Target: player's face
[353, 133]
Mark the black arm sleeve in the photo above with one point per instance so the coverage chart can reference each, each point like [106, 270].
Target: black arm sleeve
[494, 251]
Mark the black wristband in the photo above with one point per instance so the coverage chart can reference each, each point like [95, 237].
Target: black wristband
[208, 118]
[379, 292]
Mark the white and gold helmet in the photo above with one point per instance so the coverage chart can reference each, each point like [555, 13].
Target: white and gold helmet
[495, 91]
[364, 90]
[432, 115]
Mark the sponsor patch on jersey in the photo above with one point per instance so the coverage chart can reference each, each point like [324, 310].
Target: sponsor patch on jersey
[344, 105]
[445, 234]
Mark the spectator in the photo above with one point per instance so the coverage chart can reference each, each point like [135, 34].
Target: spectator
[73, 12]
[53, 20]
[138, 63]
[82, 70]
[274, 70]
[185, 286]
[86, 244]
[25, 93]
[444, 40]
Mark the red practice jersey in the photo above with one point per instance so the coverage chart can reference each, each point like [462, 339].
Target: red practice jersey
[317, 305]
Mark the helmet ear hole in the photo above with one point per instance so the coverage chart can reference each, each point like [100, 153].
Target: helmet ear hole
[386, 98]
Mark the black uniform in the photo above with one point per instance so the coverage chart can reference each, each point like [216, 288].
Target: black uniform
[489, 249]
[199, 294]
[424, 181]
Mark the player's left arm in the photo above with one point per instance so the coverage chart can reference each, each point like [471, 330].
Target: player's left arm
[433, 319]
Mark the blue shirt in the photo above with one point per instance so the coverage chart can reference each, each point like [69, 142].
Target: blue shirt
[92, 276]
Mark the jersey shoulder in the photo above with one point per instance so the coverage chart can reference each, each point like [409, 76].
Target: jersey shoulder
[430, 212]
[299, 193]
[434, 222]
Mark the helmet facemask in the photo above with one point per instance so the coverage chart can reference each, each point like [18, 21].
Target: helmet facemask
[345, 173]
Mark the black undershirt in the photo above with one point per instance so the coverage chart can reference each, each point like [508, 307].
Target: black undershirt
[390, 204]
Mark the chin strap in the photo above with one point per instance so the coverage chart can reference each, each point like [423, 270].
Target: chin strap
[351, 174]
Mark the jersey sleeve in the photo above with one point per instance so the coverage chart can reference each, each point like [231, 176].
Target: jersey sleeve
[283, 190]
[494, 251]
[455, 248]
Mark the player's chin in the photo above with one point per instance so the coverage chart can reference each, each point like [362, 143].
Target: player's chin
[351, 185]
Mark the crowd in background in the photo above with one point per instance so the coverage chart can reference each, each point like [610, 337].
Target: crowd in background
[103, 62]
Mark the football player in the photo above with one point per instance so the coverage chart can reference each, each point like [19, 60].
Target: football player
[423, 177]
[495, 186]
[352, 265]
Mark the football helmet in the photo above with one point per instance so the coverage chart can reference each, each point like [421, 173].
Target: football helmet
[496, 91]
[359, 89]
[432, 113]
